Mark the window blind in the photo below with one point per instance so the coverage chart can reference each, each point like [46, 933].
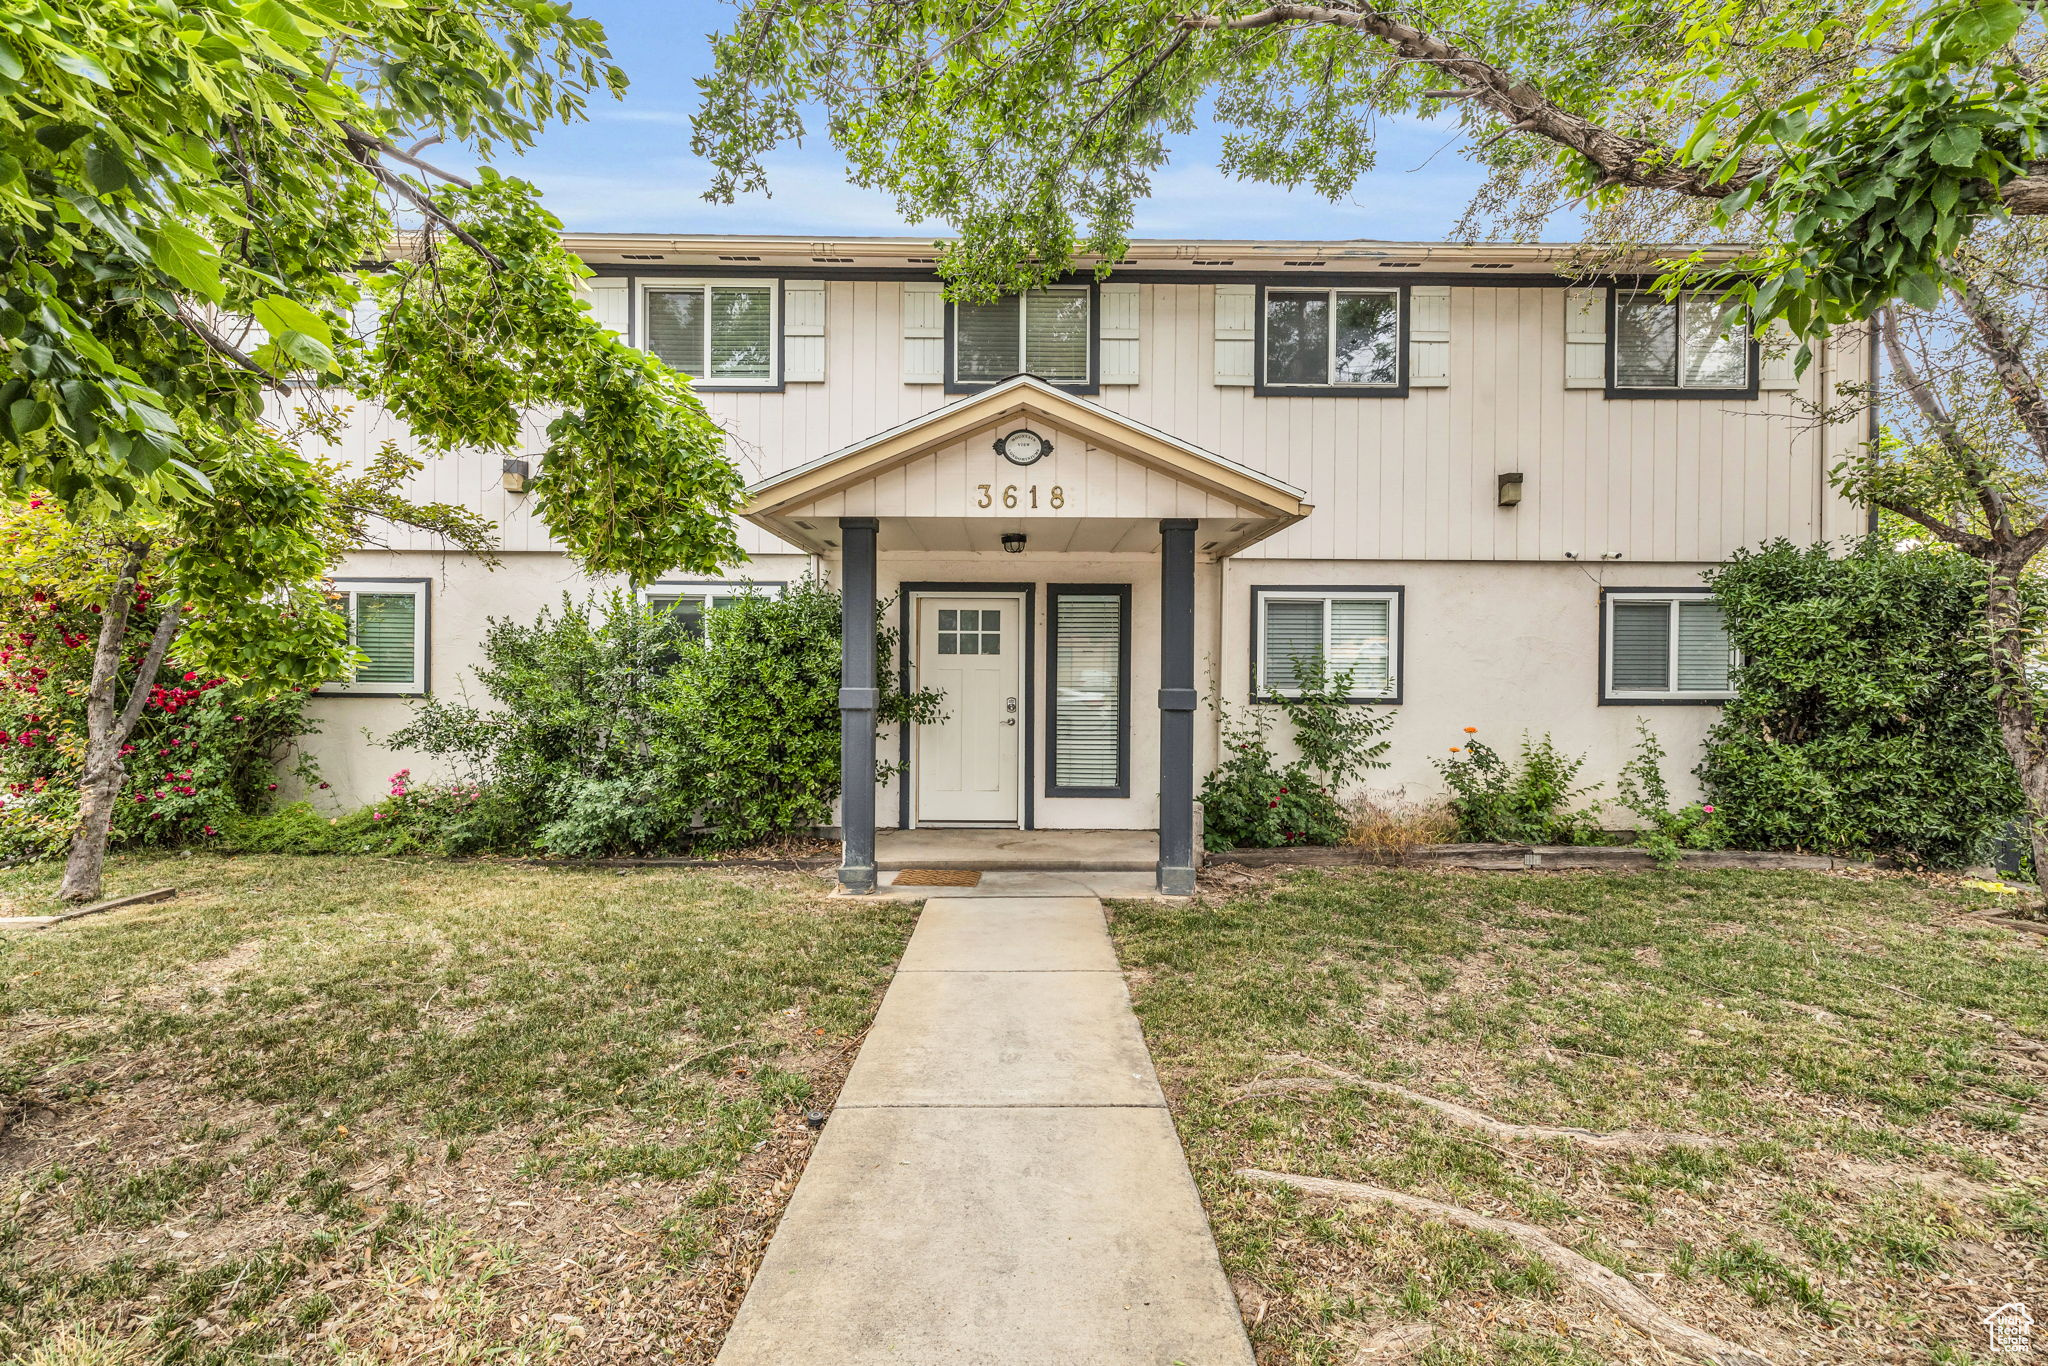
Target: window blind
[985, 341]
[742, 340]
[1645, 342]
[1716, 351]
[1294, 636]
[1641, 647]
[1088, 704]
[383, 628]
[1361, 641]
[1703, 653]
[1056, 335]
[675, 327]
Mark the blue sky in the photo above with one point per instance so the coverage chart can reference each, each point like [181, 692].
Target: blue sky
[629, 169]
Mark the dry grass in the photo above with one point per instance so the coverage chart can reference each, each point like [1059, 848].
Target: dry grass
[1866, 1046]
[354, 1111]
[1393, 825]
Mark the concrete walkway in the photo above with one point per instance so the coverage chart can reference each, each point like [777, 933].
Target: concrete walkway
[1001, 1182]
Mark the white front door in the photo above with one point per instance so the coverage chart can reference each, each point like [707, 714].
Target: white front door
[966, 767]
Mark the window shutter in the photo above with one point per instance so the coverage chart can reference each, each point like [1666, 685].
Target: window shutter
[1585, 339]
[1119, 333]
[803, 331]
[1429, 336]
[1088, 721]
[1294, 635]
[608, 302]
[924, 333]
[1703, 654]
[1777, 360]
[384, 629]
[1236, 333]
[1361, 641]
[1641, 647]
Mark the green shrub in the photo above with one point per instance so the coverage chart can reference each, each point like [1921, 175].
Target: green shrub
[612, 730]
[1530, 800]
[1664, 830]
[1251, 801]
[1862, 721]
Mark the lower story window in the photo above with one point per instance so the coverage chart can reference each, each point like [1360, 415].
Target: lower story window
[387, 627]
[1668, 646]
[1346, 631]
[688, 602]
[1089, 640]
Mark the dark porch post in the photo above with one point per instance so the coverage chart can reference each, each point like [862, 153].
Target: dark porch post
[1177, 706]
[857, 701]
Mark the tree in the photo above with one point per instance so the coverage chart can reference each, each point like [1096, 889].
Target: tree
[189, 190]
[1877, 163]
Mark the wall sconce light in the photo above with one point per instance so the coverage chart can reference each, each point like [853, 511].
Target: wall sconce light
[1508, 489]
[517, 472]
[1013, 543]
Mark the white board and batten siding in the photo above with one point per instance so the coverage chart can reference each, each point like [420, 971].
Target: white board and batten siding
[1502, 378]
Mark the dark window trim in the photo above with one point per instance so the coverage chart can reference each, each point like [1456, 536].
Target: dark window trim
[1600, 659]
[641, 280]
[1480, 279]
[1092, 385]
[426, 638]
[905, 644]
[1399, 592]
[1615, 391]
[1053, 593]
[1261, 389]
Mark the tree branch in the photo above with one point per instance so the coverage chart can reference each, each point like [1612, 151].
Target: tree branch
[370, 142]
[1640, 163]
[145, 672]
[207, 333]
[2008, 362]
[1989, 496]
[366, 148]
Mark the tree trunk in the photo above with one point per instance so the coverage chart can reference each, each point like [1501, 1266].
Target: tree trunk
[108, 729]
[2013, 696]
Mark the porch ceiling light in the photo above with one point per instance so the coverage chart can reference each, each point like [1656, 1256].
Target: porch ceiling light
[1013, 543]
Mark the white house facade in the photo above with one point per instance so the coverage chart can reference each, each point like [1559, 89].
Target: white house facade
[1486, 487]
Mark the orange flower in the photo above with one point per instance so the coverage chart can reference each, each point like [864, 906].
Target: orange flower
[1454, 749]
[1471, 730]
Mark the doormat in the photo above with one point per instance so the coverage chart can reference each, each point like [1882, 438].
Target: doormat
[936, 877]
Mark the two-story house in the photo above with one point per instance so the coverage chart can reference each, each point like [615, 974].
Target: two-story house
[1486, 487]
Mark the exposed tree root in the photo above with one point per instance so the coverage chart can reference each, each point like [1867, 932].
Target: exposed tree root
[1613, 1289]
[1623, 1140]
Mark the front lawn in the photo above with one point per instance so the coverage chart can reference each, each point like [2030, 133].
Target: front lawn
[366, 1110]
[1863, 1057]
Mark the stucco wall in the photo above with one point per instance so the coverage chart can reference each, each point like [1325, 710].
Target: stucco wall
[1505, 646]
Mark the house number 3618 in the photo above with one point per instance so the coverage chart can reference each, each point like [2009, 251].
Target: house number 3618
[1026, 496]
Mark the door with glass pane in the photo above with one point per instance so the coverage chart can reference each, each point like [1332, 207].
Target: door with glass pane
[966, 767]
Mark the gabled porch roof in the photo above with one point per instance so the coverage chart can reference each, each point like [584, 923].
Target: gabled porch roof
[1099, 489]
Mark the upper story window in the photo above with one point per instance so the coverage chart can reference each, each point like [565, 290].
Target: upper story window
[1665, 646]
[1350, 630]
[1695, 346]
[1342, 340]
[721, 333]
[1049, 333]
[387, 625]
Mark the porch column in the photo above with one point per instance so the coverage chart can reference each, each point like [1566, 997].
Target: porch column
[857, 701]
[1177, 706]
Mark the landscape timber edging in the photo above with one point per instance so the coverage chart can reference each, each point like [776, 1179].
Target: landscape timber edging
[1517, 857]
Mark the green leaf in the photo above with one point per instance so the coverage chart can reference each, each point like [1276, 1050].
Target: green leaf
[1956, 145]
[29, 415]
[10, 62]
[78, 64]
[183, 254]
[59, 136]
[281, 316]
[106, 170]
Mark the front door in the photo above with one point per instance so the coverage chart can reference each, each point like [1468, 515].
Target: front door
[966, 767]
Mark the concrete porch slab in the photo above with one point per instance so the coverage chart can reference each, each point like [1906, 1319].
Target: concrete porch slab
[968, 1237]
[1004, 1038]
[1005, 883]
[1131, 851]
[1010, 934]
